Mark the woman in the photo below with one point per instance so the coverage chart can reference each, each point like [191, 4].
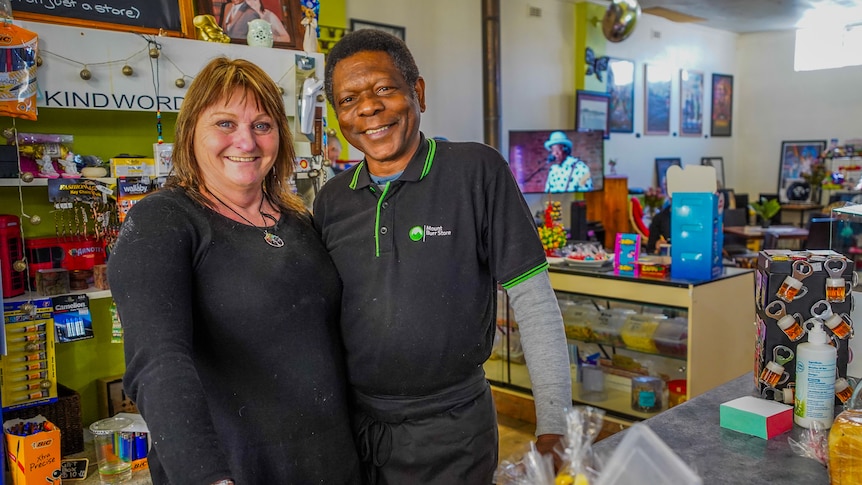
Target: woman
[229, 301]
[279, 33]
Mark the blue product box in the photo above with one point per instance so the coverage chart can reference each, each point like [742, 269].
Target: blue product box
[696, 236]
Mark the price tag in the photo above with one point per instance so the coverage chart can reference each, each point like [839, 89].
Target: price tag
[74, 469]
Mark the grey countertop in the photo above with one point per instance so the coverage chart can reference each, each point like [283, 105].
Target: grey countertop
[722, 456]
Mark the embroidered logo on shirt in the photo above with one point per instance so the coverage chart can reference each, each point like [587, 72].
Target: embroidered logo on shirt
[420, 233]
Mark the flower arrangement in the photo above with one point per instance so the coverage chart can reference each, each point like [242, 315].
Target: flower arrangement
[653, 199]
[551, 233]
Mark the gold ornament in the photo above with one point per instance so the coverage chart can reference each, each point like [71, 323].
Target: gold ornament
[9, 133]
[86, 74]
[180, 83]
[28, 308]
[127, 70]
[281, 90]
[35, 220]
[27, 177]
[19, 265]
[38, 60]
[154, 52]
[209, 30]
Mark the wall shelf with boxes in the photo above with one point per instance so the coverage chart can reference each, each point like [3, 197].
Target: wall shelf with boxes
[696, 332]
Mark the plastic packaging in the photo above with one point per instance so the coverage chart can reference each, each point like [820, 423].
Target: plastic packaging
[815, 380]
[607, 329]
[638, 332]
[671, 337]
[579, 320]
[642, 457]
[845, 446]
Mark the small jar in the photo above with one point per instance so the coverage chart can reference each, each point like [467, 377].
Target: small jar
[647, 394]
[677, 390]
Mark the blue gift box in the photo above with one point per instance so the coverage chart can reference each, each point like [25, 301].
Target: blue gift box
[696, 236]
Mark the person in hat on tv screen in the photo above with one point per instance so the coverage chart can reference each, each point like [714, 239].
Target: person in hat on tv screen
[567, 173]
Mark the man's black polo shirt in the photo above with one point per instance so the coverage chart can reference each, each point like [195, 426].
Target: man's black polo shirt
[420, 259]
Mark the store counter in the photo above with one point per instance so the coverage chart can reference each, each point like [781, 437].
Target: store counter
[722, 456]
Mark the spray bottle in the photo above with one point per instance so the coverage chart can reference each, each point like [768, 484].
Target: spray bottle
[815, 380]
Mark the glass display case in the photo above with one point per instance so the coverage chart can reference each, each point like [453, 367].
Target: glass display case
[692, 335]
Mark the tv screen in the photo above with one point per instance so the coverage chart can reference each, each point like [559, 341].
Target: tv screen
[557, 161]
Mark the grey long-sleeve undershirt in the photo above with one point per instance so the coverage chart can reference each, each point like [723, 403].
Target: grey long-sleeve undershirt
[544, 341]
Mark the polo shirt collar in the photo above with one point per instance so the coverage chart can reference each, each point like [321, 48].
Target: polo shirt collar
[417, 169]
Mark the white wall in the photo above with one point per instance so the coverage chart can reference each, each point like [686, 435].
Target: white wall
[771, 102]
[776, 104]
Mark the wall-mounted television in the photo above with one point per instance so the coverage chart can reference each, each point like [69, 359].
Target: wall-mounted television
[557, 161]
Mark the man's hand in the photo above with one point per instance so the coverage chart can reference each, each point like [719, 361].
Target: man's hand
[551, 444]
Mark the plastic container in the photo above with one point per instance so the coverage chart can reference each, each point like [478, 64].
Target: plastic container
[677, 391]
[815, 380]
[579, 320]
[642, 457]
[647, 393]
[608, 328]
[115, 463]
[671, 337]
[637, 333]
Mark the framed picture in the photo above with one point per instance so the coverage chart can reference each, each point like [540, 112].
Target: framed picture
[156, 17]
[690, 103]
[718, 164]
[397, 31]
[797, 158]
[722, 105]
[591, 112]
[657, 81]
[621, 89]
[661, 166]
[233, 17]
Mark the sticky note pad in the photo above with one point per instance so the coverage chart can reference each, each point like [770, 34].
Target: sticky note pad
[758, 417]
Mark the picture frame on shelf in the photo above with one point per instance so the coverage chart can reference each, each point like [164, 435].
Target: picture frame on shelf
[621, 89]
[396, 30]
[284, 15]
[591, 112]
[797, 158]
[661, 166]
[721, 117]
[690, 103]
[718, 164]
[657, 88]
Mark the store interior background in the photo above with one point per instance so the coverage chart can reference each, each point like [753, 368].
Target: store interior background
[541, 69]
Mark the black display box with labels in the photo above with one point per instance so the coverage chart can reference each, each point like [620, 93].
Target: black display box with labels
[773, 267]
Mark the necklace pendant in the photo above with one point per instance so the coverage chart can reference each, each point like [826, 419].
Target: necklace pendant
[273, 239]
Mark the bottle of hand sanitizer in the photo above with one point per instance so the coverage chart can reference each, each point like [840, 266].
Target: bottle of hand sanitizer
[815, 380]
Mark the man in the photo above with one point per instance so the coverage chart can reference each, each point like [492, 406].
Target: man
[567, 174]
[236, 18]
[421, 232]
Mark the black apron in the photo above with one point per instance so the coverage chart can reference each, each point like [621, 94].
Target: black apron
[445, 438]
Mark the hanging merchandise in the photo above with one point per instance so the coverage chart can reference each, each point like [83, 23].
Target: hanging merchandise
[18, 89]
[116, 326]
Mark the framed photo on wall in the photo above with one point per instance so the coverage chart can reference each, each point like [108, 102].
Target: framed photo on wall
[397, 31]
[722, 105]
[661, 166]
[591, 112]
[718, 164]
[233, 18]
[690, 103]
[797, 158]
[657, 84]
[621, 89]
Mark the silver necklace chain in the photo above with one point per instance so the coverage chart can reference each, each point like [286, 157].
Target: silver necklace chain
[272, 239]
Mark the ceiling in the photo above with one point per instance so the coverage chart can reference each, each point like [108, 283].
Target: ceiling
[746, 16]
